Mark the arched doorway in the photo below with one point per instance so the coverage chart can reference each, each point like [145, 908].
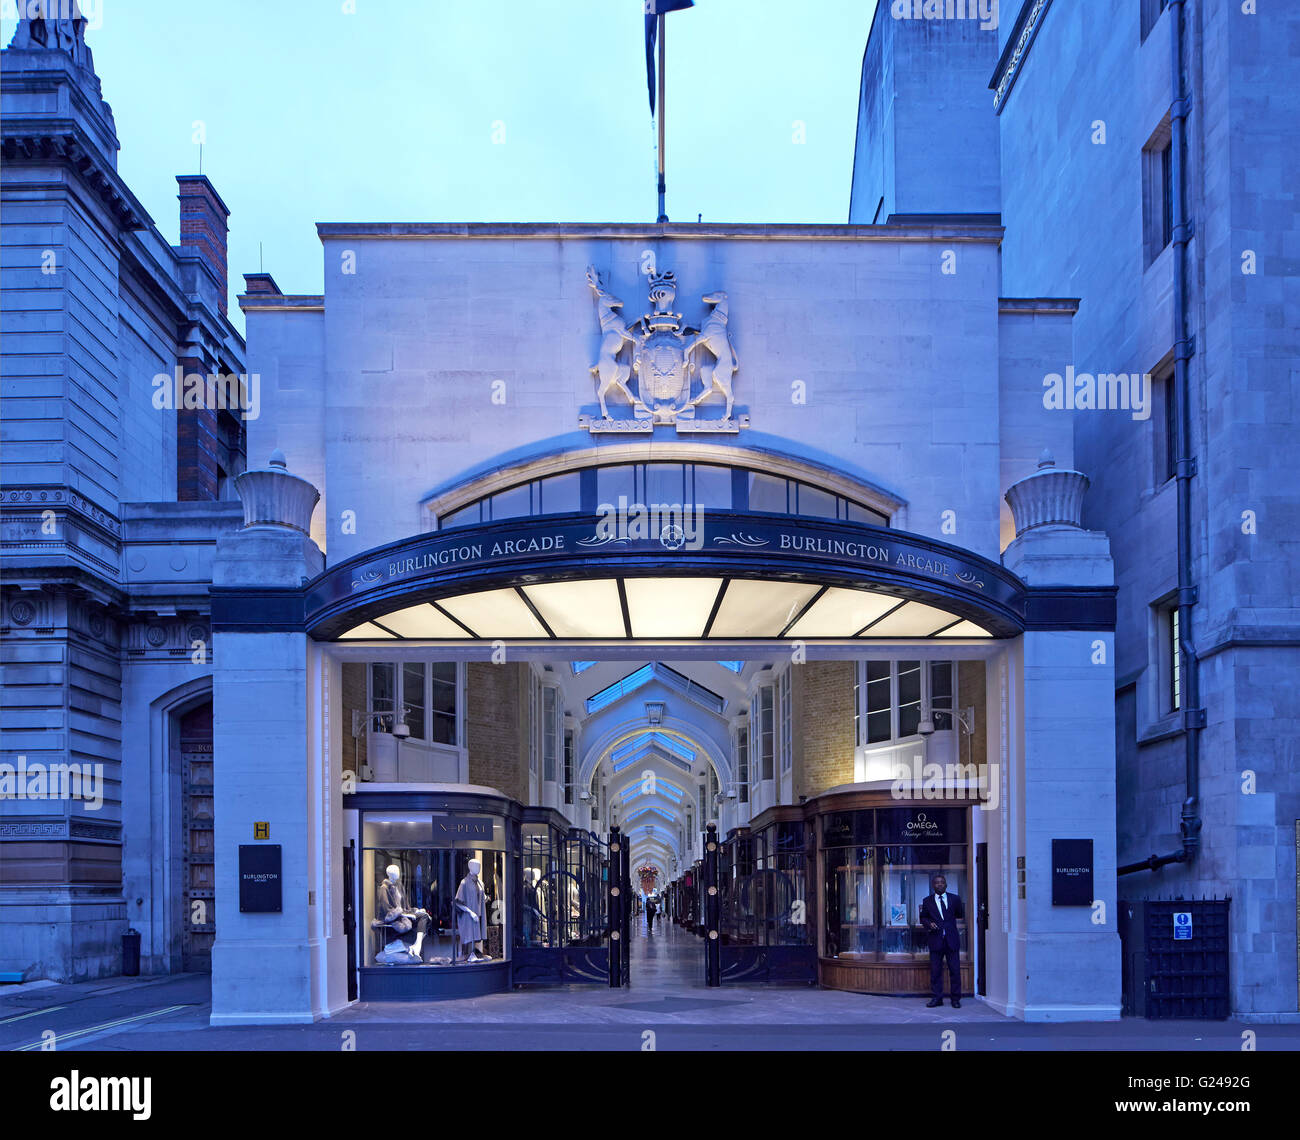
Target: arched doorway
[197, 897]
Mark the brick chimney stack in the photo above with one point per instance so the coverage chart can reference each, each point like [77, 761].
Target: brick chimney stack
[203, 226]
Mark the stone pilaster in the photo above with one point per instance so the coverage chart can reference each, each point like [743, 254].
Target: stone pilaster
[1063, 769]
[267, 968]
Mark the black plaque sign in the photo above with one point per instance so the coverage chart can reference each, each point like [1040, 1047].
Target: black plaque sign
[1072, 872]
[462, 827]
[259, 878]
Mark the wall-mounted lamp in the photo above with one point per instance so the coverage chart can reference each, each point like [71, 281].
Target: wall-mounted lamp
[376, 719]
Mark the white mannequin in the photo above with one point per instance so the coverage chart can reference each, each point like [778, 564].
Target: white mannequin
[470, 918]
[394, 875]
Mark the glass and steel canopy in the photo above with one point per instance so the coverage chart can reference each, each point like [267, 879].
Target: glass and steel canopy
[667, 609]
[724, 577]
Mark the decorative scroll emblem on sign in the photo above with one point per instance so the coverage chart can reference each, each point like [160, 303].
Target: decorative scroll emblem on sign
[657, 362]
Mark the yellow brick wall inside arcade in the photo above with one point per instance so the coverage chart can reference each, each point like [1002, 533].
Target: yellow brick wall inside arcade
[496, 720]
[970, 692]
[354, 697]
[822, 699]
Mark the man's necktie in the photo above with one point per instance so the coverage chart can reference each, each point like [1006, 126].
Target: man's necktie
[939, 900]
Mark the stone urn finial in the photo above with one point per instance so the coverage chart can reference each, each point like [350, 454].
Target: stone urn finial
[1049, 497]
[272, 497]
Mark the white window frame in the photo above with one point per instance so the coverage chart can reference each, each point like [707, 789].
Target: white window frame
[860, 700]
[570, 758]
[398, 666]
[743, 769]
[757, 733]
[552, 733]
[784, 728]
[534, 726]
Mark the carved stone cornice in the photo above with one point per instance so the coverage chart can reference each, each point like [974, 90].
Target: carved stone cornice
[159, 638]
[1018, 44]
[60, 829]
[65, 143]
[17, 501]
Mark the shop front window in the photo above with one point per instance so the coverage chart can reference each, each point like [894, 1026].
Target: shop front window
[763, 880]
[876, 869]
[434, 890]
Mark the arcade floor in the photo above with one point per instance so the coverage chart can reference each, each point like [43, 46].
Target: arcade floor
[667, 1006]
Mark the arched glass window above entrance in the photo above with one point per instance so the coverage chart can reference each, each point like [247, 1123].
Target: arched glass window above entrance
[705, 486]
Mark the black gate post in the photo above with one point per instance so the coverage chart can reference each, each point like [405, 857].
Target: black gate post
[625, 885]
[615, 900]
[710, 908]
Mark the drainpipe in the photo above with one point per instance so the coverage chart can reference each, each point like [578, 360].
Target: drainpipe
[1185, 469]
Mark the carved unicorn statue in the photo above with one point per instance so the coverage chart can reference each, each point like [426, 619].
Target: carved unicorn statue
[713, 336]
[610, 372]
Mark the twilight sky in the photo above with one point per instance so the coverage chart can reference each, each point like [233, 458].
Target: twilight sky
[475, 110]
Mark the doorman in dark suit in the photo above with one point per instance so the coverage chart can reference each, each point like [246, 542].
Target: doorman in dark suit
[939, 914]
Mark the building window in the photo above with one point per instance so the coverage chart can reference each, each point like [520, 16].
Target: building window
[766, 733]
[1173, 654]
[787, 725]
[709, 486]
[425, 693]
[1158, 191]
[568, 767]
[892, 695]
[879, 710]
[742, 763]
[413, 696]
[534, 725]
[907, 687]
[443, 676]
[1151, 10]
[383, 687]
[1170, 424]
[1164, 423]
[550, 731]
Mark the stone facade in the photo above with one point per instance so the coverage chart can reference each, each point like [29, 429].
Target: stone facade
[1243, 393]
[104, 628]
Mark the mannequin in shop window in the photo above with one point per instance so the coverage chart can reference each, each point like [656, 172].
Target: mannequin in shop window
[545, 913]
[532, 909]
[471, 914]
[395, 913]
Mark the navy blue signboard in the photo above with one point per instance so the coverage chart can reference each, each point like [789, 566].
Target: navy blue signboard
[577, 546]
[1072, 872]
[259, 878]
[462, 827]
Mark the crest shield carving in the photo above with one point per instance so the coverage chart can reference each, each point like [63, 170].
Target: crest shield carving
[668, 359]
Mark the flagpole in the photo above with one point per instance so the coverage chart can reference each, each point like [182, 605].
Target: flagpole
[663, 106]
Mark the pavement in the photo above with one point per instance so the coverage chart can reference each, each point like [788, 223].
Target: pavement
[667, 1000]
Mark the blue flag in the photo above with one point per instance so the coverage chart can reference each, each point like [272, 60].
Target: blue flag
[653, 9]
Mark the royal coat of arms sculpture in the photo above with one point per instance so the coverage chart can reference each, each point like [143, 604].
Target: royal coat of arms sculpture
[654, 363]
